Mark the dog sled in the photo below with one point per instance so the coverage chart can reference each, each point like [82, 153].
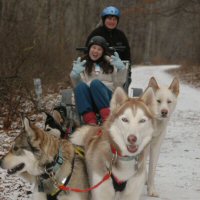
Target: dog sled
[67, 95]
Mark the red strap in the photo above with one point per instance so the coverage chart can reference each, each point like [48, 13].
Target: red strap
[114, 151]
[65, 188]
[106, 177]
[99, 133]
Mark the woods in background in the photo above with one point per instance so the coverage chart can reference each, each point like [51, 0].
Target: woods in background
[38, 38]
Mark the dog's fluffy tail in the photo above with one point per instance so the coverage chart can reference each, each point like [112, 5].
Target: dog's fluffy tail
[78, 137]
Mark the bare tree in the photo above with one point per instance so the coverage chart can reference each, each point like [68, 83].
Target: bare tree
[38, 38]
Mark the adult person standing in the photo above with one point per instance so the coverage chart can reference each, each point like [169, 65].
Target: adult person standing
[116, 38]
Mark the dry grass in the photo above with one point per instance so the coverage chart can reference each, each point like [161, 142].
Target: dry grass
[189, 74]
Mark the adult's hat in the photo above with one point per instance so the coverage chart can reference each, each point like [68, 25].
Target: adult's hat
[99, 40]
[110, 10]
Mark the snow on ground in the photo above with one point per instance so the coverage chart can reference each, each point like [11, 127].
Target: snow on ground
[178, 171]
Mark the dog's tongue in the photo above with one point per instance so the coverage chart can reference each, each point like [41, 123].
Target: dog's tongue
[132, 148]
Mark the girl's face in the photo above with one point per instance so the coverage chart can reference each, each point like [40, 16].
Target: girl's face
[95, 52]
[111, 22]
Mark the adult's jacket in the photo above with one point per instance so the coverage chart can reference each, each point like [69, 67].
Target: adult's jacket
[114, 37]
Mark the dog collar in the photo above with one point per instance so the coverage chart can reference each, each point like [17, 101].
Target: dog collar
[53, 166]
[125, 157]
[65, 181]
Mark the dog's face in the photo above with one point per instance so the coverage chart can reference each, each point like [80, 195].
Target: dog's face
[52, 126]
[60, 114]
[59, 124]
[26, 154]
[131, 121]
[166, 97]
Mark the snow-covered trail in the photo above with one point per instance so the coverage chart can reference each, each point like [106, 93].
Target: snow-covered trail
[178, 171]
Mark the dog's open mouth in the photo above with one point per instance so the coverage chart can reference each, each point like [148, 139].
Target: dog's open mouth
[16, 168]
[132, 148]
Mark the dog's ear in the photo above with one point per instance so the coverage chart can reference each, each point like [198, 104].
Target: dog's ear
[28, 128]
[57, 117]
[118, 98]
[153, 83]
[174, 87]
[45, 116]
[148, 97]
[22, 119]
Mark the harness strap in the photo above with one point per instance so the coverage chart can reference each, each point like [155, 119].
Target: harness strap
[55, 193]
[118, 185]
[65, 188]
[114, 150]
[105, 178]
[80, 151]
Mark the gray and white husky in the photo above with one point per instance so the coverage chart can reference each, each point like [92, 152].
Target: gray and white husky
[47, 162]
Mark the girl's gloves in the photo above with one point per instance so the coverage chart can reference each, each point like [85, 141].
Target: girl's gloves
[78, 67]
[116, 61]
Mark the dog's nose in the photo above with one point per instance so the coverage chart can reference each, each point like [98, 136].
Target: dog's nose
[132, 139]
[164, 112]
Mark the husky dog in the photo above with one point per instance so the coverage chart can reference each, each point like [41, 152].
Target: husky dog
[118, 147]
[48, 162]
[166, 98]
[59, 123]
[53, 127]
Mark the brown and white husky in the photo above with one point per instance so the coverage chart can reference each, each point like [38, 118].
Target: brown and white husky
[119, 146]
[166, 98]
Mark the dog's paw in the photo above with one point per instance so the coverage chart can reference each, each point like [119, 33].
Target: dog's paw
[152, 192]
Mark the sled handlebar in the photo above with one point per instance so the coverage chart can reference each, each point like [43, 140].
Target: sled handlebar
[81, 48]
[113, 48]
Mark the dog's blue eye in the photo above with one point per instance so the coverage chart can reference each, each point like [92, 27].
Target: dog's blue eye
[169, 101]
[125, 120]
